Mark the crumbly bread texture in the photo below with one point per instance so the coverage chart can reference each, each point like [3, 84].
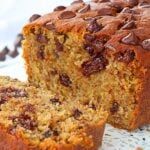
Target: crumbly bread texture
[34, 119]
[98, 51]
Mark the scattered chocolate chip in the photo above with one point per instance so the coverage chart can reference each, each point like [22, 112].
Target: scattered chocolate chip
[131, 38]
[13, 92]
[47, 133]
[76, 113]
[84, 9]
[106, 11]
[89, 49]
[42, 39]
[28, 108]
[77, 1]
[98, 45]
[18, 40]
[117, 7]
[114, 108]
[3, 99]
[55, 101]
[50, 26]
[93, 26]
[59, 46]
[40, 54]
[129, 25]
[89, 38]
[132, 3]
[65, 80]
[13, 53]
[34, 17]
[67, 15]
[59, 8]
[146, 44]
[128, 10]
[27, 122]
[94, 65]
[127, 56]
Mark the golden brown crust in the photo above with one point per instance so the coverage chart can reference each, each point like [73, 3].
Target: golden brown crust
[16, 142]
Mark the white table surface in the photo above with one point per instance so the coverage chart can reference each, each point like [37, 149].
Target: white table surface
[13, 15]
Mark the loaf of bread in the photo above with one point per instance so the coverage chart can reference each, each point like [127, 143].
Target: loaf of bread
[98, 51]
[34, 119]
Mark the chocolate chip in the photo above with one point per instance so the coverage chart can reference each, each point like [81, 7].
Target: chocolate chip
[89, 49]
[59, 8]
[65, 80]
[76, 113]
[129, 25]
[18, 40]
[55, 101]
[34, 17]
[89, 38]
[2, 56]
[13, 53]
[93, 26]
[92, 106]
[128, 10]
[106, 11]
[98, 45]
[47, 134]
[50, 26]
[77, 1]
[28, 108]
[131, 38]
[59, 46]
[27, 122]
[3, 99]
[41, 54]
[67, 15]
[127, 56]
[146, 44]
[42, 39]
[114, 108]
[84, 9]
[132, 3]
[94, 65]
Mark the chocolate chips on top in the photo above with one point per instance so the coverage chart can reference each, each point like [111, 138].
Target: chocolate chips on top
[34, 17]
[65, 80]
[93, 26]
[76, 2]
[59, 8]
[50, 26]
[126, 56]
[129, 25]
[89, 38]
[67, 15]
[146, 44]
[131, 38]
[18, 40]
[85, 9]
[76, 113]
[94, 65]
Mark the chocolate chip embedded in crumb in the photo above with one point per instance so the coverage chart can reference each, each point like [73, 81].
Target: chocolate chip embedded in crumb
[34, 17]
[59, 8]
[93, 26]
[89, 49]
[146, 44]
[114, 108]
[127, 56]
[59, 46]
[65, 80]
[84, 9]
[55, 101]
[98, 45]
[28, 108]
[89, 38]
[3, 99]
[40, 53]
[129, 25]
[47, 134]
[131, 38]
[41, 38]
[76, 113]
[128, 10]
[92, 106]
[18, 40]
[67, 15]
[13, 53]
[96, 64]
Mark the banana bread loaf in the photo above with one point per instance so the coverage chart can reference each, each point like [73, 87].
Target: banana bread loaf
[34, 119]
[98, 51]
